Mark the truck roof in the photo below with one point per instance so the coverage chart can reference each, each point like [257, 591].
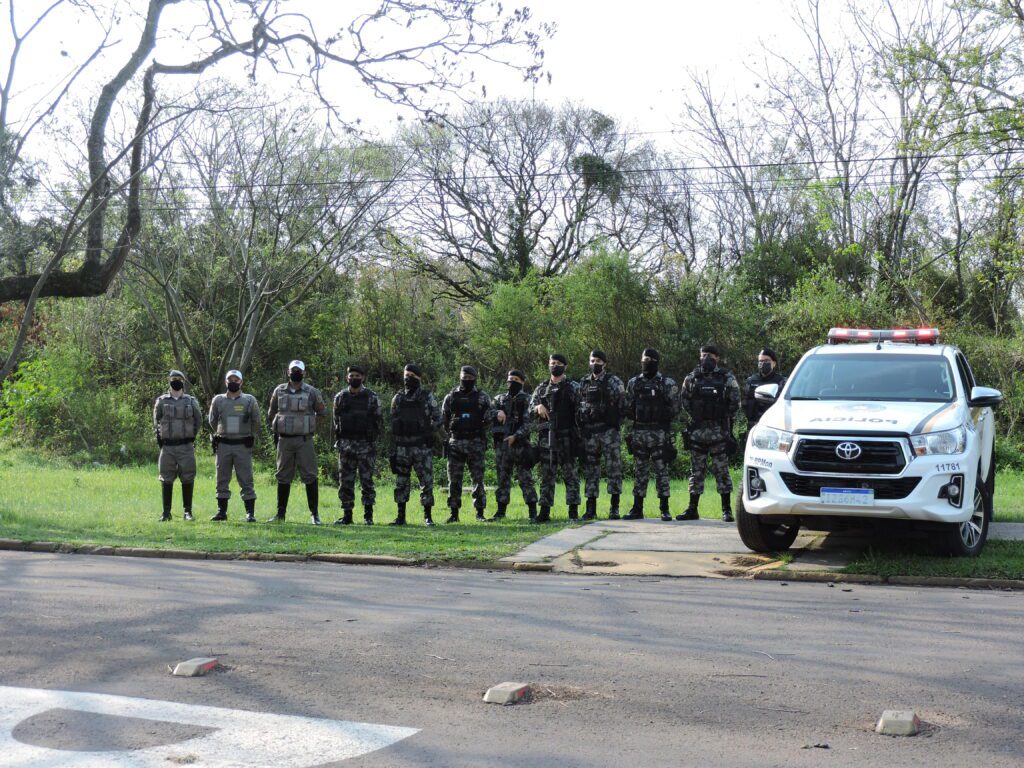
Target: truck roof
[890, 347]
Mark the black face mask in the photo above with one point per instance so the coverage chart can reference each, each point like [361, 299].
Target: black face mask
[412, 383]
[597, 368]
[355, 382]
[707, 364]
[296, 376]
[557, 370]
[177, 385]
[765, 368]
[234, 386]
[649, 367]
[514, 388]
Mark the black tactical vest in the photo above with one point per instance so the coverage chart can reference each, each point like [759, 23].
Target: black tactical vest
[595, 403]
[560, 406]
[708, 396]
[467, 420]
[409, 419]
[354, 421]
[649, 397]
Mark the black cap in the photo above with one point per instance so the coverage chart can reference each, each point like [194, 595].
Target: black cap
[355, 369]
[560, 358]
[413, 368]
[769, 353]
[516, 372]
[599, 355]
[651, 353]
[468, 370]
[711, 349]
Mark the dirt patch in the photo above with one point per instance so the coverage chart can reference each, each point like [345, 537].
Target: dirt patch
[598, 564]
[750, 561]
[562, 693]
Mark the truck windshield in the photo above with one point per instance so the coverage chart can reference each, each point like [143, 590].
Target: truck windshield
[915, 378]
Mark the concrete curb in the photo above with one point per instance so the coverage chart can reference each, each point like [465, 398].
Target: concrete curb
[825, 577]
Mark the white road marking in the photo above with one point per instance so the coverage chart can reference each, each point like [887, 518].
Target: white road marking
[243, 739]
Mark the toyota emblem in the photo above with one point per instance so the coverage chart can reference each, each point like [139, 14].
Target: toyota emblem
[848, 451]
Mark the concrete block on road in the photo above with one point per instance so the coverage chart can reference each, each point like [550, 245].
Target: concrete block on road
[898, 722]
[196, 667]
[12, 544]
[507, 693]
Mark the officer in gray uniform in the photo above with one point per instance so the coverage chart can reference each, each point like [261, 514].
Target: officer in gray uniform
[235, 421]
[510, 429]
[464, 414]
[553, 410]
[711, 397]
[602, 403]
[651, 402]
[176, 418]
[414, 418]
[357, 425]
[294, 407]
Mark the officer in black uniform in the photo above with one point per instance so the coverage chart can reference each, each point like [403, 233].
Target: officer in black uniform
[464, 412]
[358, 419]
[767, 373]
[510, 429]
[414, 417]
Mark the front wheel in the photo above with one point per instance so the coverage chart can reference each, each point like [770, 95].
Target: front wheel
[761, 535]
[967, 539]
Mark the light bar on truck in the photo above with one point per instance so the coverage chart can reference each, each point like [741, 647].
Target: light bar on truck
[911, 335]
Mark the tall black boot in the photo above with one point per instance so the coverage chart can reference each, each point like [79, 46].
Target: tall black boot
[666, 516]
[186, 500]
[250, 510]
[222, 510]
[345, 519]
[500, 514]
[544, 516]
[454, 516]
[168, 497]
[726, 507]
[574, 512]
[428, 517]
[613, 511]
[367, 515]
[691, 511]
[283, 492]
[313, 502]
[533, 511]
[637, 512]
[480, 513]
[400, 520]
[591, 513]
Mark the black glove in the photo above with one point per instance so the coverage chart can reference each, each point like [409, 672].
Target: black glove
[250, 441]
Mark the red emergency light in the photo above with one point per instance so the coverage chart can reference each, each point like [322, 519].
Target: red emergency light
[912, 335]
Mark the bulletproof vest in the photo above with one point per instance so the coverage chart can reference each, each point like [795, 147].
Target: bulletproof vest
[708, 396]
[354, 421]
[409, 418]
[593, 401]
[514, 408]
[467, 421]
[294, 413]
[177, 418]
[234, 416]
[651, 408]
[561, 406]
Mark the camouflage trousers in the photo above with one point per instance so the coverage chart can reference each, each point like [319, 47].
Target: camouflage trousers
[464, 453]
[507, 460]
[356, 456]
[607, 445]
[649, 451]
[565, 459]
[177, 461]
[710, 439]
[420, 459]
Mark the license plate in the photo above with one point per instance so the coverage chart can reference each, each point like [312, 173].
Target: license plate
[851, 497]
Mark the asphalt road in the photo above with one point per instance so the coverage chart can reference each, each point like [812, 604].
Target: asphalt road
[637, 672]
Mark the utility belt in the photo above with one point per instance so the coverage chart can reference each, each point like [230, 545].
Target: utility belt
[590, 430]
[234, 440]
[360, 437]
[183, 441]
[416, 441]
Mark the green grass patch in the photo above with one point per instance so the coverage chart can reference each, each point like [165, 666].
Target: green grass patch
[998, 560]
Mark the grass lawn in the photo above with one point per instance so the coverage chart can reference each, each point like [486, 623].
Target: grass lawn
[999, 560]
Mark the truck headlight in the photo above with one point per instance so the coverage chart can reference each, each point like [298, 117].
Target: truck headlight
[940, 443]
[768, 439]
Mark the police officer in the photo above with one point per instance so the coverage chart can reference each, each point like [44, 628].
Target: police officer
[767, 373]
[464, 413]
[510, 428]
[414, 418]
[651, 402]
[235, 421]
[176, 417]
[294, 407]
[358, 419]
[602, 402]
[553, 406]
[711, 397]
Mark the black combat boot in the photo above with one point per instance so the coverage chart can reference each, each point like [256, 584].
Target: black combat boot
[500, 514]
[222, 510]
[168, 497]
[454, 516]
[250, 510]
[726, 507]
[428, 517]
[666, 516]
[283, 492]
[480, 514]
[637, 512]
[345, 519]
[367, 514]
[574, 512]
[613, 511]
[533, 511]
[313, 502]
[591, 513]
[543, 517]
[691, 511]
[186, 500]
[400, 519]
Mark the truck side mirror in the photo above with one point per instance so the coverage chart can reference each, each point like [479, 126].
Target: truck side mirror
[985, 397]
[767, 393]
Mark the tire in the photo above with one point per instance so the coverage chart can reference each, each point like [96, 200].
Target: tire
[760, 536]
[967, 539]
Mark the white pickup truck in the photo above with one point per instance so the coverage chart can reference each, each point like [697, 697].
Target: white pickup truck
[885, 424]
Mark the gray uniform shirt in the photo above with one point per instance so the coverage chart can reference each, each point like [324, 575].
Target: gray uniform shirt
[235, 417]
[175, 417]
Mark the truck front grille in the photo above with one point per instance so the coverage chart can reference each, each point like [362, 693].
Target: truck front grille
[884, 457]
[885, 489]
